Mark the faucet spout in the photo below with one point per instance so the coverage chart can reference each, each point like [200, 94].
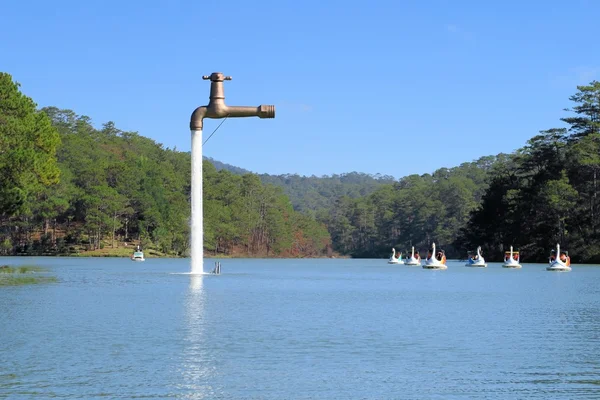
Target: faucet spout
[261, 111]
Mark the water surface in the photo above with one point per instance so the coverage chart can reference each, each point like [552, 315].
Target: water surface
[299, 329]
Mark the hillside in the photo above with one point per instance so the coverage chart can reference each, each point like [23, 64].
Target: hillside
[227, 167]
[366, 214]
[311, 194]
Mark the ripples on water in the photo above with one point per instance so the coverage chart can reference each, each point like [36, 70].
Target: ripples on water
[300, 329]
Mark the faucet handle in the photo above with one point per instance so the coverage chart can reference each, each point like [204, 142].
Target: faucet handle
[216, 77]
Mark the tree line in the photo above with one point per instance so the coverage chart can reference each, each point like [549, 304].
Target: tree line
[415, 211]
[65, 185]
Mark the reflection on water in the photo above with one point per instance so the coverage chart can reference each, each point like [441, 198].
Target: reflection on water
[300, 329]
[196, 283]
[197, 363]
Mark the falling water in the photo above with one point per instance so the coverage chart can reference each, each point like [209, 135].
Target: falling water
[197, 221]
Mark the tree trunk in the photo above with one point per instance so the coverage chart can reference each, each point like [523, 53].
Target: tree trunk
[559, 233]
[594, 202]
[112, 242]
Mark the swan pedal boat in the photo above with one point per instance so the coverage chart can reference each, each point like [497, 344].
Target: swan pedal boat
[434, 263]
[478, 262]
[509, 259]
[393, 259]
[557, 264]
[412, 260]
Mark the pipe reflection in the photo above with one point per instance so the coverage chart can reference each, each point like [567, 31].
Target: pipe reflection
[198, 364]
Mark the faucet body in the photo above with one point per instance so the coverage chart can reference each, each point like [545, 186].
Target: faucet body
[217, 108]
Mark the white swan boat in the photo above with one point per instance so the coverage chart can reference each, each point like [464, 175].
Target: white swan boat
[138, 255]
[432, 262]
[511, 259]
[477, 260]
[559, 264]
[393, 259]
[413, 260]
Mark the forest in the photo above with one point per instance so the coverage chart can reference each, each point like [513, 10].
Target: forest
[67, 187]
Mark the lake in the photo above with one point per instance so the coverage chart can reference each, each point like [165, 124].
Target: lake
[299, 329]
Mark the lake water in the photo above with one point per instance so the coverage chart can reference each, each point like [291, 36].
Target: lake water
[299, 329]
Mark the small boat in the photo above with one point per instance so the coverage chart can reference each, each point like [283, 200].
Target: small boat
[476, 260]
[414, 259]
[511, 259]
[393, 259]
[138, 255]
[432, 261]
[559, 261]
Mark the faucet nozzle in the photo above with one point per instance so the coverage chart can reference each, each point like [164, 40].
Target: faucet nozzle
[266, 111]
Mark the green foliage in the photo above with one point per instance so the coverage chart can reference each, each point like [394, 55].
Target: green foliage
[22, 275]
[312, 195]
[587, 110]
[241, 213]
[414, 211]
[28, 145]
[23, 269]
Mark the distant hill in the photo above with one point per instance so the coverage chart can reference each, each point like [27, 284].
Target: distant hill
[228, 167]
[311, 194]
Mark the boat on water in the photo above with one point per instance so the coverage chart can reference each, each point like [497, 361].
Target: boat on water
[138, 255]
[435, 260]
[559, 261]
[511, 259]
[393, 259]
[414, 259]
[476, 259]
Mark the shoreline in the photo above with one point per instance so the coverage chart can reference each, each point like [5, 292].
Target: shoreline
[151, 255]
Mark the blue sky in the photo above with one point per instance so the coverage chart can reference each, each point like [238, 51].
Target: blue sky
[390, 87]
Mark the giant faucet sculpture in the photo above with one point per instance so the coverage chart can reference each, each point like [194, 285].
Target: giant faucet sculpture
[216, 108]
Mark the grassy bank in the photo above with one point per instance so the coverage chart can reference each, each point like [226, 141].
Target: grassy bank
[118, 252]
[23, 275]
